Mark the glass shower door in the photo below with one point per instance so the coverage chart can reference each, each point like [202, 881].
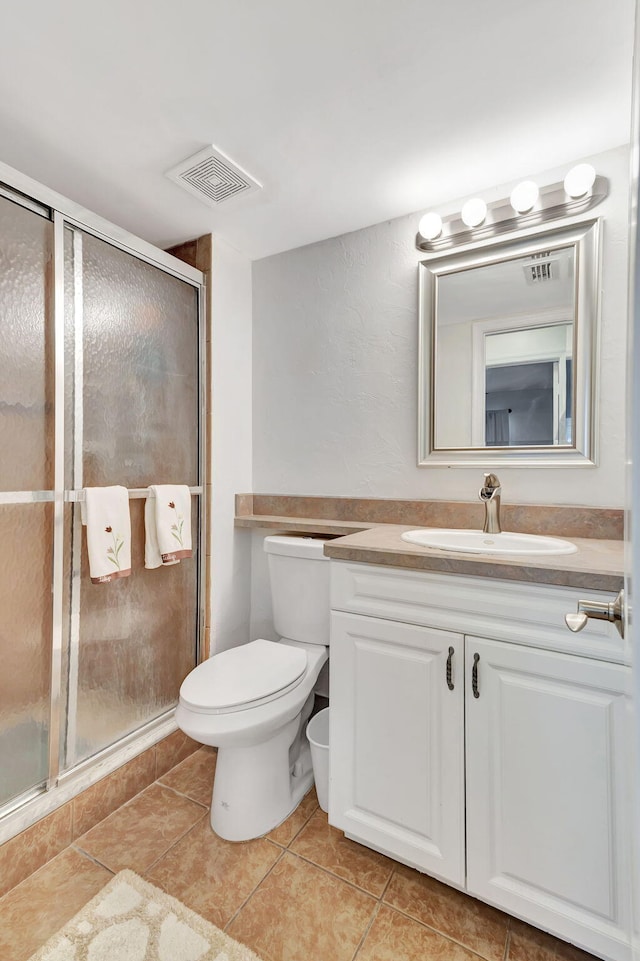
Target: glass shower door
[132, 418]
[26, 495]
[101, 358]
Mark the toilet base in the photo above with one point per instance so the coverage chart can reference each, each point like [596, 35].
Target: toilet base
[256, 787]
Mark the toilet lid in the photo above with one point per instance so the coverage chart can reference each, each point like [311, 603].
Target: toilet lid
[243, 677]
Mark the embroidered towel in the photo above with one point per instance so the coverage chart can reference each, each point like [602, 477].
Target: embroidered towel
[108, 533]
[167, 521]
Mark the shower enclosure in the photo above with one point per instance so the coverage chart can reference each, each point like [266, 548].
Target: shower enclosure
[101, 382]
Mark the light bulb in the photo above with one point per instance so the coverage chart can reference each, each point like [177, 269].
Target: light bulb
[474, 212]
[579, 180]
[430, 226]
[524, 196]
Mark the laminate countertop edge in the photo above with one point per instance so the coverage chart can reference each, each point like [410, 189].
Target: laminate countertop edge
[598, 565]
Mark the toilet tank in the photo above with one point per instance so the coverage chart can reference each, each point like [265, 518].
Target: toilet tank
[299, 577]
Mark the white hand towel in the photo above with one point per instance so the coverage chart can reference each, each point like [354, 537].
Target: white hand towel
[167, 521]
[108, 533]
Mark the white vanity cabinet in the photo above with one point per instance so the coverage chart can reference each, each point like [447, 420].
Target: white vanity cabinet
[397, 760]
[499, 768]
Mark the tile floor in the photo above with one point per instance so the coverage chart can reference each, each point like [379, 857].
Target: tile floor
[302, 893]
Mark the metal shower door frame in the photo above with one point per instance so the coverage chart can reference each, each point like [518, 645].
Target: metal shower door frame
[65, 214]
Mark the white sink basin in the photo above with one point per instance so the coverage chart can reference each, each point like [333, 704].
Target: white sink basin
[477, 542]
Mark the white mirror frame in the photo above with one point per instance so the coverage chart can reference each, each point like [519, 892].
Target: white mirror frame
[585, 238]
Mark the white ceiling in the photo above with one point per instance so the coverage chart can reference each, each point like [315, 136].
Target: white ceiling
[350, 112]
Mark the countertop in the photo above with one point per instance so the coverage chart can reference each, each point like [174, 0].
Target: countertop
[598, 565]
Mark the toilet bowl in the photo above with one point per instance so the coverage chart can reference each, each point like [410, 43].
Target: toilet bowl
[253, 702]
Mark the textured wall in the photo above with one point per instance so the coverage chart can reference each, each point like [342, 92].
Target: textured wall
[335, 329]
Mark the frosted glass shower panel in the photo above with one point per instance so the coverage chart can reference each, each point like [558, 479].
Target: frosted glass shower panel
[140, 334]
[26, 412]
[132, 355]
[137, 643]
[25, 646]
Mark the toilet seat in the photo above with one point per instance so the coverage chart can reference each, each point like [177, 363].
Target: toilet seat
[244, 677]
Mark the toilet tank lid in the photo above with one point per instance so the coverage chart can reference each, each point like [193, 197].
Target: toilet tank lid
[243, 675]
[311, 547]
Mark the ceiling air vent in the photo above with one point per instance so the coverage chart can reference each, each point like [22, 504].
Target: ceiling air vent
[212, 177]
[541, 268]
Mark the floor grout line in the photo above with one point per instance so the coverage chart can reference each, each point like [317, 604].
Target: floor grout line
[287, 846]
[168, 787]
[118, 809]
[180, 763]
[249, 896]
[73, 843]
[184, 762]
[338, 877]
[379, 898]
[90, 857]
[376, 912]
[76, 842]
[386, 887]
[173, 844]
[380, 903]
[437, 931]
[507, 943]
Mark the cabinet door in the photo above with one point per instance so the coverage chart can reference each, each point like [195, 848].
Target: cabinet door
[547, 832]
[396, 764]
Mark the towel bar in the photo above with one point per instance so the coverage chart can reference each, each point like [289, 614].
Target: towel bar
[76, 497]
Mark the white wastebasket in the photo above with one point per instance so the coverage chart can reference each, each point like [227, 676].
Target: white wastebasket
[318, 737]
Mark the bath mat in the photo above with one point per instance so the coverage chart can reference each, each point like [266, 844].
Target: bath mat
[131, 920]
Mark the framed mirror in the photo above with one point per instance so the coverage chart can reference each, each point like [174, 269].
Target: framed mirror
[508, 338]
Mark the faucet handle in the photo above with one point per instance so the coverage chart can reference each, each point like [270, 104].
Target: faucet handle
[490, 488]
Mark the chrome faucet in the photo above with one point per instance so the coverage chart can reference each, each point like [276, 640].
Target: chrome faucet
[489, 494]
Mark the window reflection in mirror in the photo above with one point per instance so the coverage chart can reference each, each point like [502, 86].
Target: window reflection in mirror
[527, 394]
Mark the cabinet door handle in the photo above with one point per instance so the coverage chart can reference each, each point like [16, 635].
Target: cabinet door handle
[449, 667]
[474, 676]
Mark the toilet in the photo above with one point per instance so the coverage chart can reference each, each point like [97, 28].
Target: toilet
[253, 702]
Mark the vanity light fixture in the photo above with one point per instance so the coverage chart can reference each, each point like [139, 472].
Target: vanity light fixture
[474, 212]
[528, 206]
[579, 180]
[524, 197]
[430, 226]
